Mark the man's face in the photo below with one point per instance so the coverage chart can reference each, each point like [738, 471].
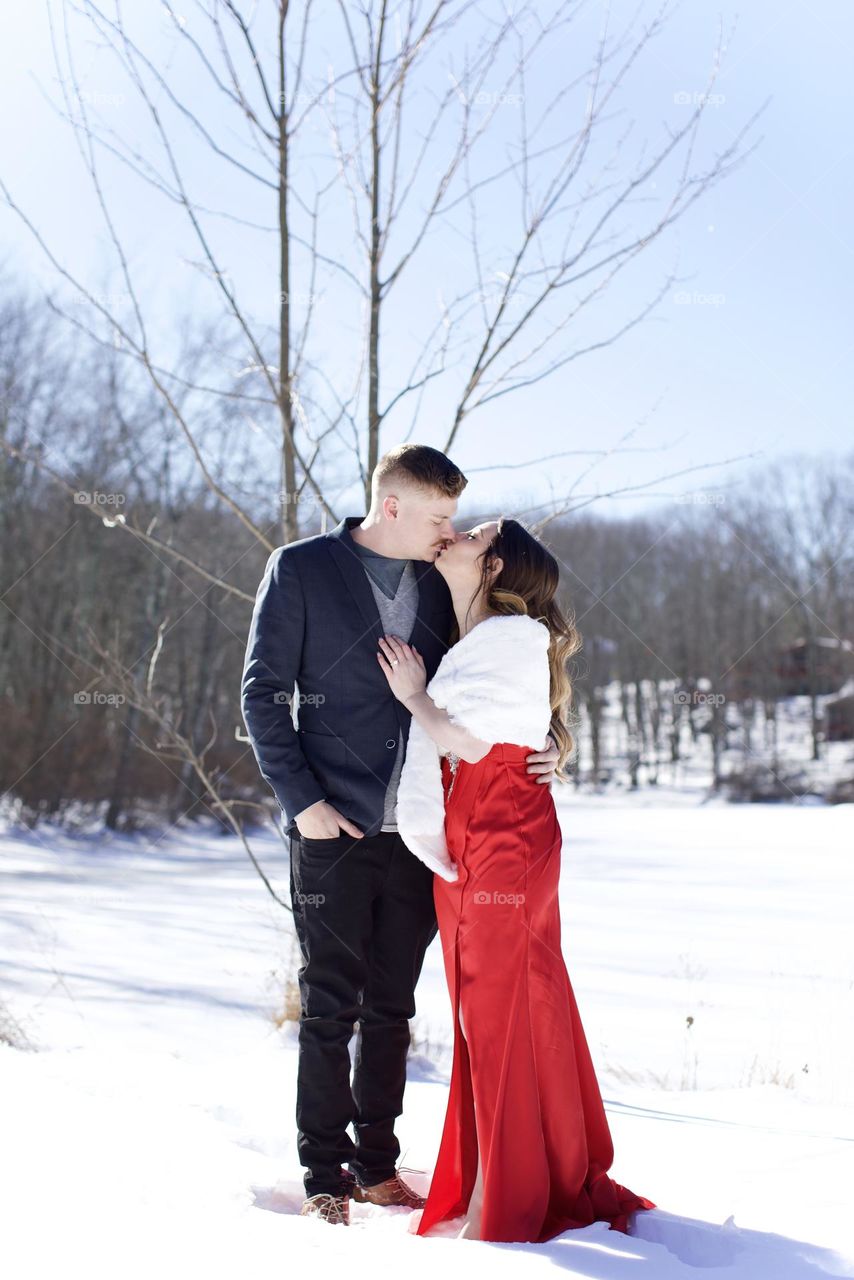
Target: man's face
[420, 521]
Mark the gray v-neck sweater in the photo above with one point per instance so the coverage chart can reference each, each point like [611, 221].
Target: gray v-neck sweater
[397, 607]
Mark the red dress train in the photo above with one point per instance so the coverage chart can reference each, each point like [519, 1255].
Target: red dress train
[524, 1108]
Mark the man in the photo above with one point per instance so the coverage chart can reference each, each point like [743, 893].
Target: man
[362, 903]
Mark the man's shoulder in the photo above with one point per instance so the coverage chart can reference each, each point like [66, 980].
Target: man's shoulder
[302, 551]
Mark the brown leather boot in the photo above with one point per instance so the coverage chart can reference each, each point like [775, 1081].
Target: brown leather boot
[333, 1209]
[393, 1191]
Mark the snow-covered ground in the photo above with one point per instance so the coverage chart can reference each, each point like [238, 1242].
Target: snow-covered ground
[152, 1124]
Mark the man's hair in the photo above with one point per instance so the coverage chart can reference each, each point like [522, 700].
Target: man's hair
[418, 464]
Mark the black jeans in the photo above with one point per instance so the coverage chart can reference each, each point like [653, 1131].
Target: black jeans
[364, 916]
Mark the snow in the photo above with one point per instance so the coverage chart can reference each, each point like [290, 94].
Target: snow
[780, 749]
[151, 1125]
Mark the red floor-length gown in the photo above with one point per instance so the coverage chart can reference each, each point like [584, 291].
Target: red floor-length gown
[523, 1069]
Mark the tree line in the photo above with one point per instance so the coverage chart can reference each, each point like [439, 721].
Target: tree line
[127, 591]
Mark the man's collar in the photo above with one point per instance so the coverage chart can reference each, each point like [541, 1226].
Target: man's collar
[342, 530]
[343, 538]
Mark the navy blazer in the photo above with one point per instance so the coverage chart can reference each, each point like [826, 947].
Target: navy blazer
[315, 628]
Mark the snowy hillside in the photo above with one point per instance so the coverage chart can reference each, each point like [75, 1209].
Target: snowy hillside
[151, 1125]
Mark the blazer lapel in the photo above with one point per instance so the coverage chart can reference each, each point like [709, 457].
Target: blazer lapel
[350, 566]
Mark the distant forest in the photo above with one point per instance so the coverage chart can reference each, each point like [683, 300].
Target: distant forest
[128, 578]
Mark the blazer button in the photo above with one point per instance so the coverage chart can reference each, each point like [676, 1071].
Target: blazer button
[390, 742]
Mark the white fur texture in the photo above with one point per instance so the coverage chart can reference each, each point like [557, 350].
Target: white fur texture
[495, 684]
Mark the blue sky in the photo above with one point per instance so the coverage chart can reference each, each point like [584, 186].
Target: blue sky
[750, 355]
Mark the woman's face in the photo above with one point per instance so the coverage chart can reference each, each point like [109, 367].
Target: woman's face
[460, 561]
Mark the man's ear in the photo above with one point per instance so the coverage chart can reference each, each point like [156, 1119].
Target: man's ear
[391, 506]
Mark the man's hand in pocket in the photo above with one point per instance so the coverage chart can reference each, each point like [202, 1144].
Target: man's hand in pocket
[322, 821]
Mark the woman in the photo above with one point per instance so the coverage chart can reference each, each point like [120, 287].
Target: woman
[526, 1145]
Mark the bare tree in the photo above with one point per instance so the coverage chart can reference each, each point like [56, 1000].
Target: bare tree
[405, 162]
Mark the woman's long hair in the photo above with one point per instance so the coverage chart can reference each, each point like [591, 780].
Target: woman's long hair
[527, 583]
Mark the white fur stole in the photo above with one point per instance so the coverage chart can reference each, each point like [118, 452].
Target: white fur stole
[495, 684]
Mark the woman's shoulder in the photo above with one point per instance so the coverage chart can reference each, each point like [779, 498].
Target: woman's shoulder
[498, 680]
[512, 628]
[503, 642]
